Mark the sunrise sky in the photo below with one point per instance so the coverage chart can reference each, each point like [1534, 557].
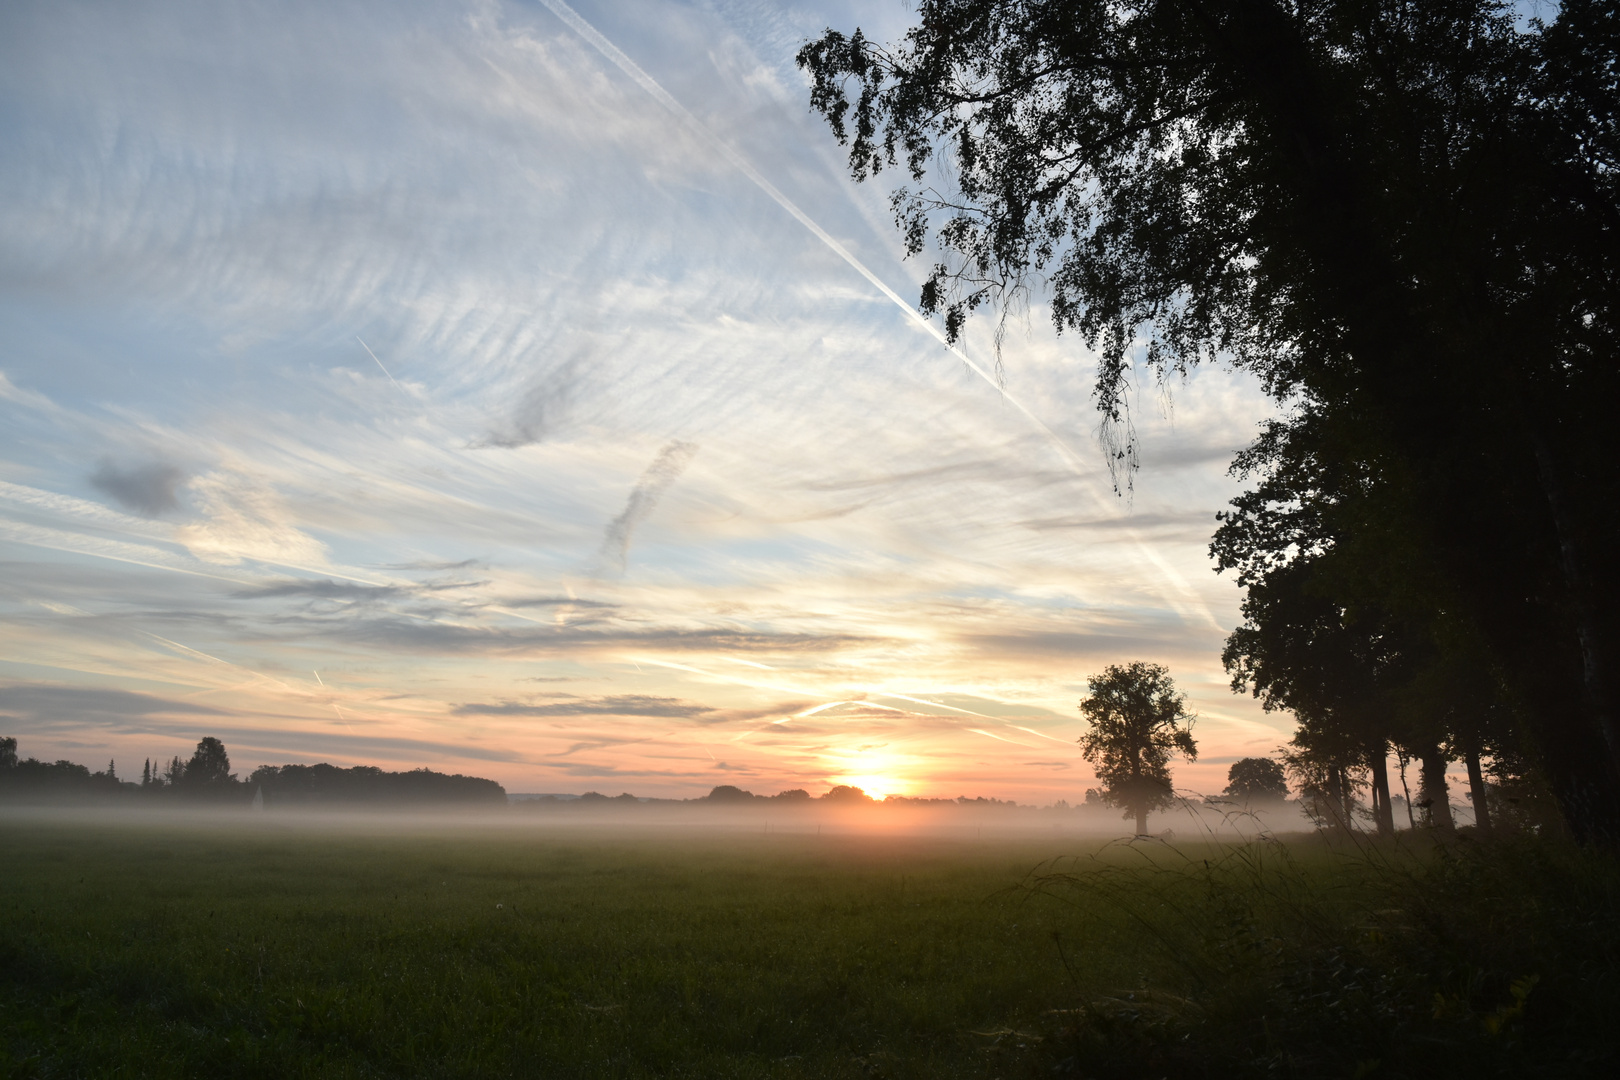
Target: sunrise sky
[485, 387]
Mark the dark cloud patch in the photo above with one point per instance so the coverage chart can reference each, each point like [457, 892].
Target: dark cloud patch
[665, 469]
[439, 567]
[556, 601]
[150, 490]
[544, 407]
[44, 703]
[348, 591]
[304, 745]
[324, 589]
[1048, 764]
[381, 630]
[1075, 645]
[581, 768]
[619, 705]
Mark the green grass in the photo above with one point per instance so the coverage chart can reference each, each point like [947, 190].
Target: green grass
[286, 950]
[453, 952]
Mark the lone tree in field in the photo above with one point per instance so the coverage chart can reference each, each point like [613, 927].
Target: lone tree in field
[1256, 779]
[1137, 718]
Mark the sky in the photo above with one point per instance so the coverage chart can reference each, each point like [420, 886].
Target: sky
[527, 391]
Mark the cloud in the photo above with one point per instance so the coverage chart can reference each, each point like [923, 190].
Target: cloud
[621, 705]
[325, 589]
[544, 407]
[544, 261]
[665, 469]
[150, 490]
[555, 601]
[45, 703]
[246, 519]
[398, 632]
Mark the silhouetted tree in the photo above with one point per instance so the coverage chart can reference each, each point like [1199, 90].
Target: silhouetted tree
[1137, 718]
[1401, 217]
[1256, 779]
[209, 769]
[8, 753]
[288, 785]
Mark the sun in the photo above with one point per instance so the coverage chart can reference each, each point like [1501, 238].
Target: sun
[878, 787]
[879, 775]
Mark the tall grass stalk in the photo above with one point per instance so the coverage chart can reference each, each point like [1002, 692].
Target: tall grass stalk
[1341, 955]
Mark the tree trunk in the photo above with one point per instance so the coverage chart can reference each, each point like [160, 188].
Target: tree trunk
[1383, 812]
[1411, 821]
[1476, 793]
[1581, 740]
[1141, 823]
[1433, 780]
[1347, 801]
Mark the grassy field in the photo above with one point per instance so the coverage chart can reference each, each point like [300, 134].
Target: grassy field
[289, 950]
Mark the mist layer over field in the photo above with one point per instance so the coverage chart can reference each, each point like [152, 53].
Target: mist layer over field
[624, 817]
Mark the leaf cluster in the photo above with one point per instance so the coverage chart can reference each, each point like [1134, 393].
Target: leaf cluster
[1138, 719]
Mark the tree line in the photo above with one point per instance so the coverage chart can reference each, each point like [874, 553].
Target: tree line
[1403, 217]
[206, 776]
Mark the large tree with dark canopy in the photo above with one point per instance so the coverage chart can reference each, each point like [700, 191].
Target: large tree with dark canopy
[1404, 217]
[1138, 719]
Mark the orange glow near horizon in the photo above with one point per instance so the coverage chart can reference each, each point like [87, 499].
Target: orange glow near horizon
[879, 775]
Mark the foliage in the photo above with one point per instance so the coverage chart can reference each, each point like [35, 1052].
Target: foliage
[1319, 961]
[1401, 216]
[1255, 779]
[210, 765]
[325, 785]
[1137, 719]
[207, 775]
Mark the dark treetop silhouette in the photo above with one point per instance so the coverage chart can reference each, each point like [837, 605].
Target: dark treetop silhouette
[1256, 779]
[1137, 718]
[1404, 217]
[207, 776]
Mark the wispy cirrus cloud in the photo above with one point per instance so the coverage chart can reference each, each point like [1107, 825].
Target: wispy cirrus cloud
[205, 209]
[620, 705]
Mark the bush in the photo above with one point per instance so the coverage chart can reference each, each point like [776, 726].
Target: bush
[1349, 960]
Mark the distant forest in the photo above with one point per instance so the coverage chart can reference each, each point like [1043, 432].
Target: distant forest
[207, 777]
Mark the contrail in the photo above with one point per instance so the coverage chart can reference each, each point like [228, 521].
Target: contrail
[667, 100]
[664, 471]
[1070, 458]
[385, 371]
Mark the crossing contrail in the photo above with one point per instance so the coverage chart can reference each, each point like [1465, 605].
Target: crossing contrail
[385, 371]
[1071, 459]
